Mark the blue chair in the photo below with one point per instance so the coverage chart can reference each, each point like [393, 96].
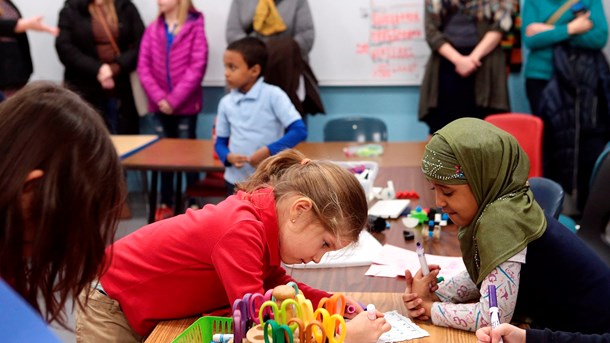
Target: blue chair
[355, 129]
[548, 194]
[594, 228]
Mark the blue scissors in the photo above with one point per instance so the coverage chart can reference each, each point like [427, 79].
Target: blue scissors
[307, 333]
[334, 305]
[281, 314]
[333, 324]
[279, 333]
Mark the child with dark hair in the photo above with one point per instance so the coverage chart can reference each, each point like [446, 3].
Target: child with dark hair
[62, 189]
[255, 120]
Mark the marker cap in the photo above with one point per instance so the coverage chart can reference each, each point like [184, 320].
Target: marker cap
[493, 301]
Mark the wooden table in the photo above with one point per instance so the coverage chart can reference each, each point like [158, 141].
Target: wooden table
[196, 155]
[127, 145]
[168, 330]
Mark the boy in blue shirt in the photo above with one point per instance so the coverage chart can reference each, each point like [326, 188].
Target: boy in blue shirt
[255, 120]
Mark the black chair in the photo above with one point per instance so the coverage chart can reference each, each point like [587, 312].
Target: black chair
[355, 129]
[594, 228]
[548, 194]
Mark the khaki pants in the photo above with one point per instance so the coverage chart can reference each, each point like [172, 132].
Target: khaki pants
[102, 320]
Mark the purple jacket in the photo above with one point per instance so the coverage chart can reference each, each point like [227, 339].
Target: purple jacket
[188, 58]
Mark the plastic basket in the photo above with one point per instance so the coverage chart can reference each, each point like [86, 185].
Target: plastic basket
[202, 329]
[367, 184]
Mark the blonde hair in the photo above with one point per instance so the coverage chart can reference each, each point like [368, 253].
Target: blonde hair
[184, 6]
[109, 10]
[338, 199]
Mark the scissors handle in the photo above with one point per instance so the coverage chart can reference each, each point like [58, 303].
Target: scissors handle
[314, 332]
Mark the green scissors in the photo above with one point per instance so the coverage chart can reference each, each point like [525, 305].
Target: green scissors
[277, 332]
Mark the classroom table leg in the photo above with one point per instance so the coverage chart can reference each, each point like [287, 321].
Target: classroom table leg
[152, 195]
[178, 201]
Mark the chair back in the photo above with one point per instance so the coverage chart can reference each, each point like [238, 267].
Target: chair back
[528, 130]
[594, 228]
[548, 194]
[355, 129]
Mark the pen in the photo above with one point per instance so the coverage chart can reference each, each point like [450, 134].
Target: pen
[493, 307]
[350, 309]
[222, 337]
[422, 259]
[371, 311]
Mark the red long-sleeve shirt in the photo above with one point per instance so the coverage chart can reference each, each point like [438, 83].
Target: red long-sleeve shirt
[197, 262]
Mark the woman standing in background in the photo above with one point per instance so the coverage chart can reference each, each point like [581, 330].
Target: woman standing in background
[15, 60]
[98, 45]
[172, 62]
[567, 81]
[287, 28]
[466, 73]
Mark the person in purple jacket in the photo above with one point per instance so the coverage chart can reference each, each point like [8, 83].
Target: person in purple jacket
[171, 65]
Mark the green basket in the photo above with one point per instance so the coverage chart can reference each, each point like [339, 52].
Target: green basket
[202, 329]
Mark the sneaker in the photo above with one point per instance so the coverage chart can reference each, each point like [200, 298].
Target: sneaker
[163, 212]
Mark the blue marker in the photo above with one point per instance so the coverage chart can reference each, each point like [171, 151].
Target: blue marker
[493, 308]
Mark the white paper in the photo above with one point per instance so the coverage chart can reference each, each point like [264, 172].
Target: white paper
[403, 329]
[389, 208]
[360, 253]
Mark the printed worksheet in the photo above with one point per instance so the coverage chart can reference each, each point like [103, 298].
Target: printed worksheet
[403, 329]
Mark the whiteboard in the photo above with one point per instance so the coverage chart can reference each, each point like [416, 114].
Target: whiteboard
[346, 51]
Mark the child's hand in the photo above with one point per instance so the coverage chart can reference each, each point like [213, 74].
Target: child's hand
[237, 160]
[259, 155]
[349, 301]
[509, 334]
[419, 293]
[165, 107]
[363, 330]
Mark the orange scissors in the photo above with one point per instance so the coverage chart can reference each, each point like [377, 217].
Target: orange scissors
[333, 324]
[307, 333]
[334, 305]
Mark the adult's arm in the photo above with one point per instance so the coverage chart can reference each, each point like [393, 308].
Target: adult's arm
[69, 53]
[234, 30]
[128, 59]
[597, 37]
[304, 31]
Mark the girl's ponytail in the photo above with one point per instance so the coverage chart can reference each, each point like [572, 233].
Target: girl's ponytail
[270, 170]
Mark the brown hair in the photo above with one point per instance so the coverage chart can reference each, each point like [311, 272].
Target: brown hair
[338, 198]
[75, 205]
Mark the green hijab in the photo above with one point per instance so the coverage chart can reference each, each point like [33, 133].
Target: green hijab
[491, 161]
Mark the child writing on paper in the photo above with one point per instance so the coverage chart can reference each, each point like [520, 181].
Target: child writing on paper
[544, 275]
[62, 190]
[291, 210]
[171, 64]
[255, 120]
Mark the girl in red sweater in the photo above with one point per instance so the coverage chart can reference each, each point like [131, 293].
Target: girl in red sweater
[291, 210]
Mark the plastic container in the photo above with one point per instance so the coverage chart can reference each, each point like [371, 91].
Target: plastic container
[371, 168]
[202, 329]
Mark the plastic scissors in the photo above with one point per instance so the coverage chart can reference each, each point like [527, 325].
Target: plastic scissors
[306, 309]
[334, 305]
[307, 333]
[281, 314]
[245, 313]
[332, 324]
[277, 332]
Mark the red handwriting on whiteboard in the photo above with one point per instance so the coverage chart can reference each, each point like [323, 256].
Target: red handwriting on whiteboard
[393, 19]
[394, 35]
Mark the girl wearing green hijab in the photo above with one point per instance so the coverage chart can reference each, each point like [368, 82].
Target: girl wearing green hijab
[543, 274]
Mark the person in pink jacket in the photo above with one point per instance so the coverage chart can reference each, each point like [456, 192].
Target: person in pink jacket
[171, 65]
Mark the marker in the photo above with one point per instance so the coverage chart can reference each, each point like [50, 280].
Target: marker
[371, 311]
[493, 307]
[222, 337]
[422, 259]
[350, 309]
